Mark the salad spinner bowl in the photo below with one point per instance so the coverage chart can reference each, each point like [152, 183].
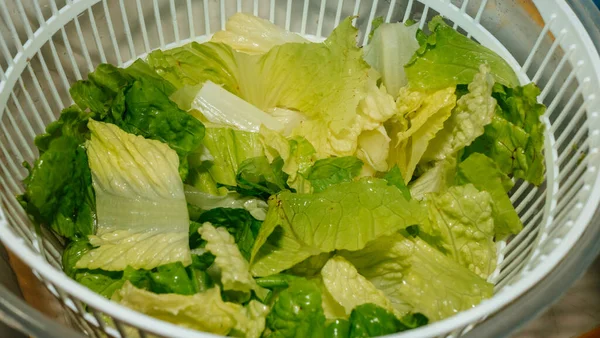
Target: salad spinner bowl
[46, 45]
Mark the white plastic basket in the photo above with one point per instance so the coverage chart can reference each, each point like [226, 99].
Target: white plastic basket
[47, 45]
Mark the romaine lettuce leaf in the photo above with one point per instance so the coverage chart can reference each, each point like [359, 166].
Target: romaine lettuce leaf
[235, 270]
[462, 227]
[392, 46]
[435, 179]
[221, 107]
[485, 175]
[338, 328]
[344, 216]
[250, 34]
[426, 113]
[204, 311]
[297, 312]
[205, 201]
[257, 177]
[515, 138]
[473, 111]
[394, 177]
[141, 209]
[58, 189]
[229, 148]
[333, 170]
[370, 320]
[417, 277]
[348, 288]
[448, 58]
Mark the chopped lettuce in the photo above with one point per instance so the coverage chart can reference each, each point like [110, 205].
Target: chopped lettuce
[394, 177]
[140, 204]
[515, 138]
[228, 148]
[297, 312]
[250, 34]
[447, 58]
[257, 177]
[238, 222]
[485, 175]
[473, 111]
[392, 46]
[204, 311]
[137, 100]
[58, 190]
[370, 320]
[462, 227]
[348, 288]
[334, 170]
[426, 113]
[345, 216]
[221, 107]
[435, 179]
[417, 277]
[205, 201]
[235, 270]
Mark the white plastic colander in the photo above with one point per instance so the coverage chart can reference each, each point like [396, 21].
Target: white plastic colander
[46, 45]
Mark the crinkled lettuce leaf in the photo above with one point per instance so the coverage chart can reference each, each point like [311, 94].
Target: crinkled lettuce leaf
[447, 58]
[202, 201]
[485, 175]
[370, 320]
[515, 138]
[330, 171]
[436, 178]
[392, 46]
[297, 312]
[257, 177]
[424, 114]
[394, 177]
[473, 111]
[463, 228]
[235, 270]
[344, 216]
[140, 204]
[253, 35]
[348, 288]
[58, 189]
[418, 277]
[228, 148]
[204, 311]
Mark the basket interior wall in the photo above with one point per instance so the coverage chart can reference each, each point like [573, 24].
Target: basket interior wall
[120, 31]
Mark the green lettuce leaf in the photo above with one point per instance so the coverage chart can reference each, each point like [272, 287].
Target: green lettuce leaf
[435, 179]
[394, 177]
[257, 177]
[425, 113]
[448, 58]
[334, 170]
[250, 34]
[58, 189]
[392, 46]
[297, 312]
[515, 138]
[203, 311]
[137, 100]
[235, 270]
[348, 288]
[462, 227]
[302, 225]
[228, 149]
[221, 107]
[141, 209]
[338, 328]
[485, 175]
[202, 202]
[370, 320]
[417, 277]
[473, 111]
